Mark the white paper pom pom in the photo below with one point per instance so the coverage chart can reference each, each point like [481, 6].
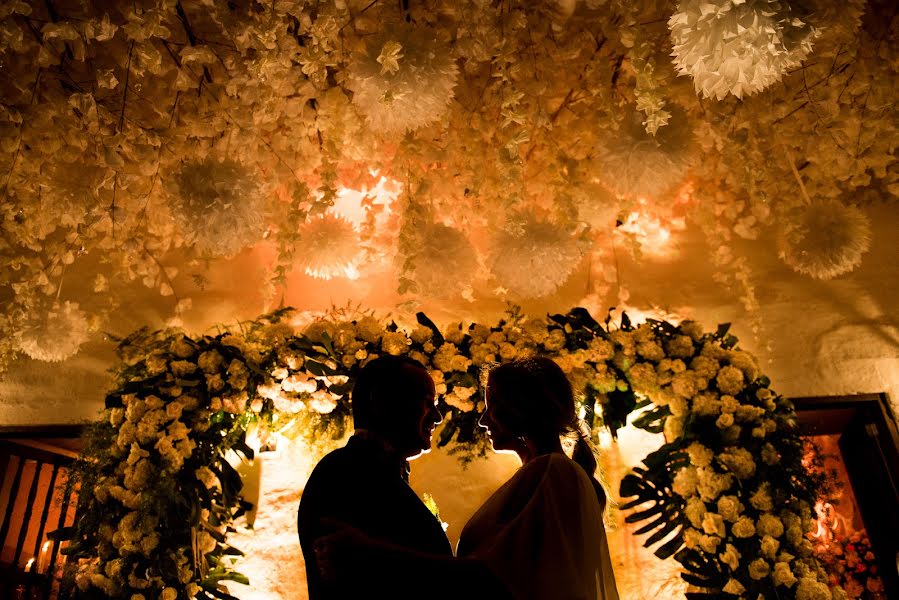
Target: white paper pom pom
[634, 163]
[329, 247]
[733, 47]
[55, 336]
[533, 258]
[444, 264]
[403, 80]
[825, 239]
[218, 206]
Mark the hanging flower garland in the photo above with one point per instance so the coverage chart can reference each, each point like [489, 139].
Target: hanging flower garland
[825, 239]
[727, 493]
[738, 48]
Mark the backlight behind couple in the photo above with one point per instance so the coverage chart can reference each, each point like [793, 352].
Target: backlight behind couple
[540, 536]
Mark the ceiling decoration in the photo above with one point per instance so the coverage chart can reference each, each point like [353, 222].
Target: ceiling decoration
[147, 139]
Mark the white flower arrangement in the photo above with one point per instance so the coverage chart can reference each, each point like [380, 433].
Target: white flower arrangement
[204, 391]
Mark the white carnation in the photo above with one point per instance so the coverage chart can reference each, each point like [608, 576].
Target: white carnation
[825, 239]
[403, 80]
[733, 47]
[56, 335]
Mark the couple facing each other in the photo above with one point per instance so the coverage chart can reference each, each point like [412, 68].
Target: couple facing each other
[540, 536]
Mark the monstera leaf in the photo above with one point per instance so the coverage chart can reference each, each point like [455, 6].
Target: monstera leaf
[704, 572]
[652, 420]
[656, 502]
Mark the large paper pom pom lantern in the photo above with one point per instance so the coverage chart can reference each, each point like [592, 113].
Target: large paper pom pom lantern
[444, 264]
[218, 205]
[825, 239]
[732, 47]
[329, 247]
[533, 258]
[403, 80]
[635, 163]
[55, 335]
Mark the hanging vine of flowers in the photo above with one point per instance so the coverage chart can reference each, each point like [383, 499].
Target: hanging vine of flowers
[132, 133]
[726, 495]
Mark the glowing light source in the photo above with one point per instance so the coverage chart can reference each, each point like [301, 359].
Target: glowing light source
[357, 206]
[651, 230]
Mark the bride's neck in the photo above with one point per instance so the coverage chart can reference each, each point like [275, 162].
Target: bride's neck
[530, 450]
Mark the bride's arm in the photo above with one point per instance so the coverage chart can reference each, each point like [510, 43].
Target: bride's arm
[399, 569]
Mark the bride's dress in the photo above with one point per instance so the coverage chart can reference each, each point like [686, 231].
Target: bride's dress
[542, 534]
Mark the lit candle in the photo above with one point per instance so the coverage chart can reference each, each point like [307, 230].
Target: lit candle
[29, 564]
[43, 560]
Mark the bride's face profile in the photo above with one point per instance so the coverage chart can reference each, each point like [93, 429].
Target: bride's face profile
[492, 420]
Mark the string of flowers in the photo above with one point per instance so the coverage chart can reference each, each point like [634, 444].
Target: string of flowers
[726, 494]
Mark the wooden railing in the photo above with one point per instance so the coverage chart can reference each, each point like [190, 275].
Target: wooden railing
[33, 504]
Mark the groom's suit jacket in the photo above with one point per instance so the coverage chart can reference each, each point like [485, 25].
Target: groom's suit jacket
[360, 484]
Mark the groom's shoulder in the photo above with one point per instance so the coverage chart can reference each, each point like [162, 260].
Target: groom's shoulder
[336, 460]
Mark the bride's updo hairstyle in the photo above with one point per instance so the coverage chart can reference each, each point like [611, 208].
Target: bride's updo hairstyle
[535, 401]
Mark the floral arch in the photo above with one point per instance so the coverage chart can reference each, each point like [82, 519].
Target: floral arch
[726, 495]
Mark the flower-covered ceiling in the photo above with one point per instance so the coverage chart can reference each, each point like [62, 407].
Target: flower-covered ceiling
[473, 148]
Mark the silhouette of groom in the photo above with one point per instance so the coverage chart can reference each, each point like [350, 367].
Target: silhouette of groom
[364, 484]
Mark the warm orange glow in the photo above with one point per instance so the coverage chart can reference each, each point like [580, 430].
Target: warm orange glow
[652, 230]
[349, 271]
[356, 205]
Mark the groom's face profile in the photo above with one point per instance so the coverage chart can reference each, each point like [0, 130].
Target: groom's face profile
[416, 415]
[424, 414]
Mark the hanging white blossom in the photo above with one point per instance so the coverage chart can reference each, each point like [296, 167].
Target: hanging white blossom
[329, 247]
[633, 162]
[444, 264]
[403, 80]
[825, 239]
[55, 335]
[218, 205]
[734, 47]
[533, 258]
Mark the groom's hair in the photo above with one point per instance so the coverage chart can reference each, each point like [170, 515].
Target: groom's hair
[379, 381]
